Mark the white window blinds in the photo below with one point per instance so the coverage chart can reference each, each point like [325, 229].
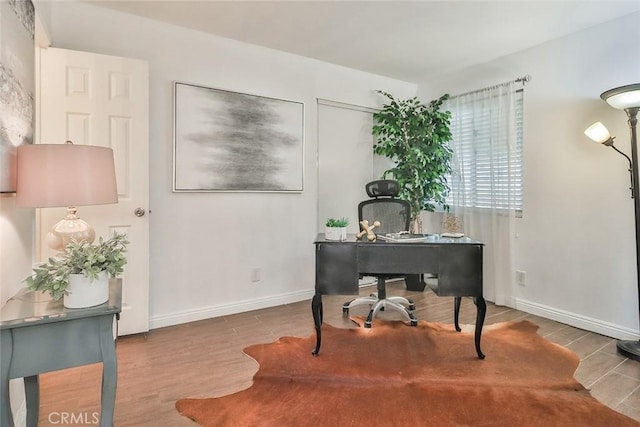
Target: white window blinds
[487, 130]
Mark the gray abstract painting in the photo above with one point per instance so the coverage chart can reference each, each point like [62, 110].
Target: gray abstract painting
[229, 141]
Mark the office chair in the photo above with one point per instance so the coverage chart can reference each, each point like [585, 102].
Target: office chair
[394, 216]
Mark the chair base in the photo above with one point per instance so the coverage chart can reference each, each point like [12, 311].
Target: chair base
[379, 304]
[372, 299]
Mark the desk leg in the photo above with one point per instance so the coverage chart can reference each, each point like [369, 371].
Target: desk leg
[482, 311]
[32, 396]
[6, 350]
[316, 310]
[109, 371]
[456, 312]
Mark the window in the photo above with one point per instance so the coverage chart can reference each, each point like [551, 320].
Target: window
[487, 128]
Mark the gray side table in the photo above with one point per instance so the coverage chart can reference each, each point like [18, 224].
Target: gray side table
[40, 335]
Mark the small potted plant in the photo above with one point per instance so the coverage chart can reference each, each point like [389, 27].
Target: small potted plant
[336, 229]
[81, 273]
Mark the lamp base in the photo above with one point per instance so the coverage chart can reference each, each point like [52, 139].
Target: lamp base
[630, 349]
[68, 229]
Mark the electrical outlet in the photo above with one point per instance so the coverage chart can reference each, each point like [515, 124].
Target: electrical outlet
[255, 274]
[521, 277]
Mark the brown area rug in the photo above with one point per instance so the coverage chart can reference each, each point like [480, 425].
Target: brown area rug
[396, 375]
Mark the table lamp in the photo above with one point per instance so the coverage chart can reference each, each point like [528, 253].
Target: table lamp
[625, 98]
[55, 175]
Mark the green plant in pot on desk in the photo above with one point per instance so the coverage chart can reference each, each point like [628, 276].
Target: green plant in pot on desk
[81, 273]
[336, 229]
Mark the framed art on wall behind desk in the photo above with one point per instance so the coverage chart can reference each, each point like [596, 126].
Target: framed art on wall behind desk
[230, 141]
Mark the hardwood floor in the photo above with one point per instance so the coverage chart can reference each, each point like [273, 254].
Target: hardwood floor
[205, 359]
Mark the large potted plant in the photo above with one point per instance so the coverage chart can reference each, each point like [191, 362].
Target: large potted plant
[415, 137]
[80, 275]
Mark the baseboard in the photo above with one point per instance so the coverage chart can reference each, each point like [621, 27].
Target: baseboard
[227, 309]
[577, 320]
[568, 318]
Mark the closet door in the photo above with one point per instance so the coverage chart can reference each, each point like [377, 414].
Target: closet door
[345, 160]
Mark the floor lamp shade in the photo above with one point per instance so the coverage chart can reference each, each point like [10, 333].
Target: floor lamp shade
[623, 97]
[598, 132]
[55, 175]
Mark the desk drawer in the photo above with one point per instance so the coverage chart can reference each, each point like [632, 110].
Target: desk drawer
[461, 274]
[336, 269]
[398, 259]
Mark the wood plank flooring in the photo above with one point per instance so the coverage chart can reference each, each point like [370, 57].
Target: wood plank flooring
[205, 359]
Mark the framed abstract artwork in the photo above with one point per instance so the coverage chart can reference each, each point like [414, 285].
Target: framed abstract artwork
[17, 85]
[230, 141]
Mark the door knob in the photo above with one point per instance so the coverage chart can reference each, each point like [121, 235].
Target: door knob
[139, 212]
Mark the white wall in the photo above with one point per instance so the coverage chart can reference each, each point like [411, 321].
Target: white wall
[576, 239]
[204, 246]
[16, 245]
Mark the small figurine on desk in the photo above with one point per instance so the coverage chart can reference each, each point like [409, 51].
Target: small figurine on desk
[368, 230]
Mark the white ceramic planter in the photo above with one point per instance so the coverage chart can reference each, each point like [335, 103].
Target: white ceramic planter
[335, 233]
[83, 292]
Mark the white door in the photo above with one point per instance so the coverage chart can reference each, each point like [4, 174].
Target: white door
[104, 100]
[346, 162]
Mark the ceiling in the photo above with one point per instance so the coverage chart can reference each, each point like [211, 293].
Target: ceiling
[409, 41]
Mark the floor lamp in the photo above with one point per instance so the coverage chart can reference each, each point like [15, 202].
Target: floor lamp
[625, 98]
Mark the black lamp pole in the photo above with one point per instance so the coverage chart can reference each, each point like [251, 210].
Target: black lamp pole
[627, 98]
[630, 348]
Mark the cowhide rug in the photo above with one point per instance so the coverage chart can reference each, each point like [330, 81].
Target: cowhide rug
[396, 375]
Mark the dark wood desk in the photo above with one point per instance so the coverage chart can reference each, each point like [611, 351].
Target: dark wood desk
[40, 335]
[457, 262]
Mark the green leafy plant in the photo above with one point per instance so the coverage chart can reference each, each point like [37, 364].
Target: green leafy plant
[415, 137]
[79, 258]
[340, 222]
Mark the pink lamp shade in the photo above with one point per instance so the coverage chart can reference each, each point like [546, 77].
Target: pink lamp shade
[53, 175]
[50, 175]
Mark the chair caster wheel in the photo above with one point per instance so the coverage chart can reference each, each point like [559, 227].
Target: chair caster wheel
[367, 324]
[414, 323]
[345, 311]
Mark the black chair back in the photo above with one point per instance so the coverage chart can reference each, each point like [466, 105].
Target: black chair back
[383, 188]
[394, 214]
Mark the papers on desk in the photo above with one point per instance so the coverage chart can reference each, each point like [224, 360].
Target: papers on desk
[403, 237]
[407, 237]
[454, 235]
